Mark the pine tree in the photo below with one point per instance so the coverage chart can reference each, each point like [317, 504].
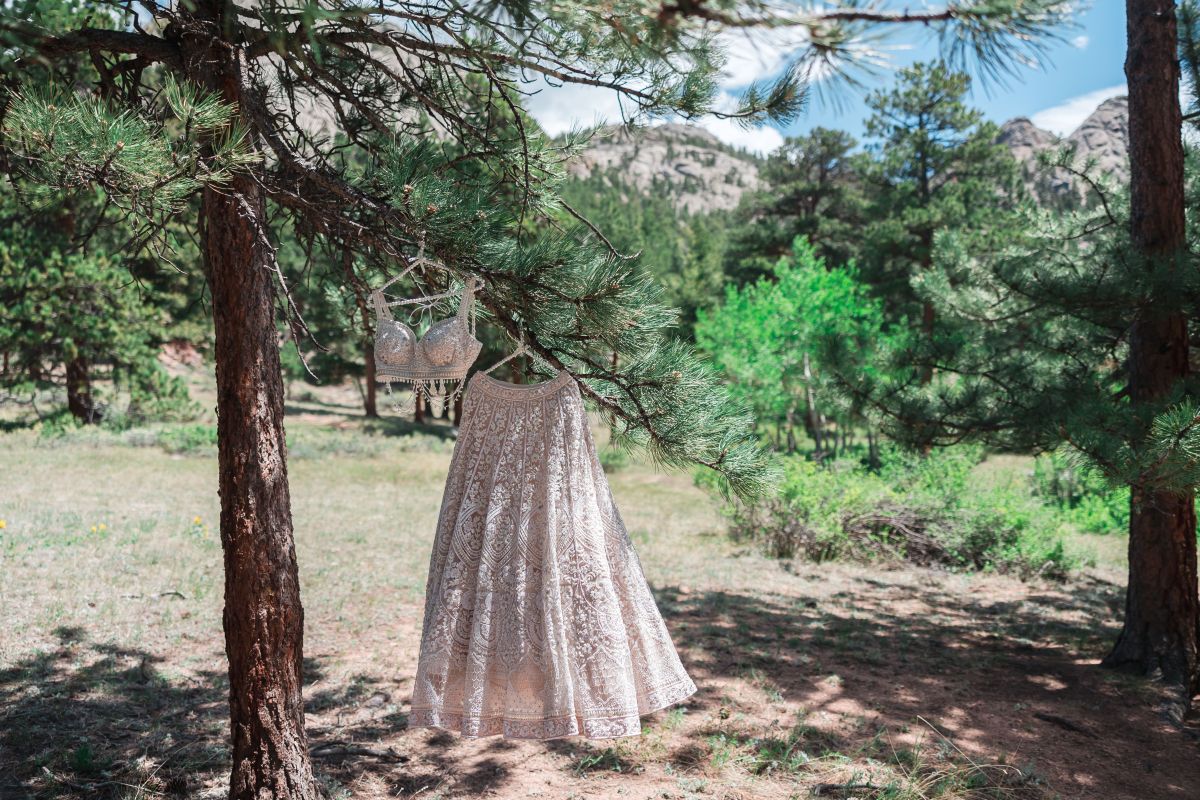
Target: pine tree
[70, 315]
[813, 190]
[216, 99]
[1075, 332]
[681, 252]
[936, 166]
[1161, 634]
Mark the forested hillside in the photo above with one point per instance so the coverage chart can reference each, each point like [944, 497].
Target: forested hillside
[702, 214]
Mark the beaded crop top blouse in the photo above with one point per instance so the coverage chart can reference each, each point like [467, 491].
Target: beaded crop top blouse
[436, 363]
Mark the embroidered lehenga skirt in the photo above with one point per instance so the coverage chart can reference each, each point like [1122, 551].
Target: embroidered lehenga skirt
[538, 619]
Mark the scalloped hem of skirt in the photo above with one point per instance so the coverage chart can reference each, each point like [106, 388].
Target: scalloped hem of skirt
[607, 727]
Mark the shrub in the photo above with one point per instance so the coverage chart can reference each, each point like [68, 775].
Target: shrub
[1081, 496]
[920, 509]
[613, 459]
[320, 443]
[188, 439]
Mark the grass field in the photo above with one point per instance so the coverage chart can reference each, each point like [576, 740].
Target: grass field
[833, 681]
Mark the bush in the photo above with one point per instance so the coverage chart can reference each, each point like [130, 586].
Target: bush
[924, 510]
[613, 459]
[320, 443]
[188, 439]
[1082, 497]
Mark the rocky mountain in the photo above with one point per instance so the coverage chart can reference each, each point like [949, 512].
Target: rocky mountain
[689, 163]
[1102, 136]
[1025, 140]
[703, 174]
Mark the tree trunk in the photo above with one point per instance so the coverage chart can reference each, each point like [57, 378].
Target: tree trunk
[458, 409]
[80, 401]
[418, 408]
[1161, 636]
[263, 619]
[928, 322]
[812, 419]
[370, 403]
[874, 461]
[370, 395]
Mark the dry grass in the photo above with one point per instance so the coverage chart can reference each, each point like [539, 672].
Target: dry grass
[832, 681]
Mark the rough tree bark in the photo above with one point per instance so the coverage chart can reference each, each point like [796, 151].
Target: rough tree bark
[1161, 636]
[263, 618]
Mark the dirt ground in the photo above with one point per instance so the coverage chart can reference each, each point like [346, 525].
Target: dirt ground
[851, 668]
[831, 680]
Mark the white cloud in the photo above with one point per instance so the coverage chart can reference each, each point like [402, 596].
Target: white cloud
[760, 140]
[1080, 42]
[1065, 117]
[558, 109]
[561, 108]
[754, 54]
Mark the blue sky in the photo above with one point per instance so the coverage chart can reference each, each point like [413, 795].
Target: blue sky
[1076, 75]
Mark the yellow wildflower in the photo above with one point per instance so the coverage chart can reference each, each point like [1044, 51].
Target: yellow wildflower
[196, 521]
[93, 529]
[102, 526]
[3, 524]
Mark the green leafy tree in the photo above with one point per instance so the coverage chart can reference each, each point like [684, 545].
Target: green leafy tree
[216, 99]
[766, 337]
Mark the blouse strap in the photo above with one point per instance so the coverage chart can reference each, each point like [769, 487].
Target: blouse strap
[468, 300]
[381, 305]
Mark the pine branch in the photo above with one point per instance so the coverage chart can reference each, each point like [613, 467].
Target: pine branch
[152, 49]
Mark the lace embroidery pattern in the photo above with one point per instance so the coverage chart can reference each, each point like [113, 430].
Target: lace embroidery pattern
[538, 620]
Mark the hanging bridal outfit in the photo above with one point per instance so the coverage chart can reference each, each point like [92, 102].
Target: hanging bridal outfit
[539, 622]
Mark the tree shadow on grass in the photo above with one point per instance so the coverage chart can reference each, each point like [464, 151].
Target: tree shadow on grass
[400, 427]
[980, 669]
[994, 676]
[90, 720]
[96, 720]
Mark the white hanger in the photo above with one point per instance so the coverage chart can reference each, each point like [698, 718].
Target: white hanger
[520, 351]
[382, 303]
